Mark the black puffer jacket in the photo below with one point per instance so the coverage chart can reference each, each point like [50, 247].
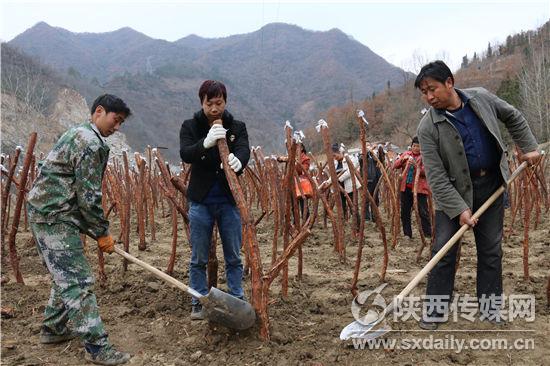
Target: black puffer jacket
[205, 163]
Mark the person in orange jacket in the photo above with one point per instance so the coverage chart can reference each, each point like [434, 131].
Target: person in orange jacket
[409, 161]
[303, 163]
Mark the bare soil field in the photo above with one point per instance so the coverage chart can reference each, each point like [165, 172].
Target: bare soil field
[150, 319]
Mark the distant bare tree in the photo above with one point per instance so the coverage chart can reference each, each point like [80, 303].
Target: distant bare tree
[23, 78]
[535, 88]
[420, 58]
[403, 111]
[407, 128]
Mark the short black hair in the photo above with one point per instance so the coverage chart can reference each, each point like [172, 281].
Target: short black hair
[335, 147]
[212, 89]
[437, 70]
[415, 140]
[111, 103]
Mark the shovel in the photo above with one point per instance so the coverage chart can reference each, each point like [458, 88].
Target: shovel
[219, 306]
[365, 328]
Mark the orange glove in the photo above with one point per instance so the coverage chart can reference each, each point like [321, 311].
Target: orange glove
[106, 244]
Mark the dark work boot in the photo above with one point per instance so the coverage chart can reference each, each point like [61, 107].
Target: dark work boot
[106, 355]
[197, 312]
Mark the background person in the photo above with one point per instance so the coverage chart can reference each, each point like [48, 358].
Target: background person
[411, 160]
[345, 178]
[303, 187]
[373, 177]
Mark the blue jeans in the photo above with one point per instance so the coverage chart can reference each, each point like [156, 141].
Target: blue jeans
[201, 221]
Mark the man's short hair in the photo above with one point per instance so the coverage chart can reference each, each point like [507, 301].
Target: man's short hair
[212, 89]
[335, 147]
[415, 140]
[111, 103]
[436, 70]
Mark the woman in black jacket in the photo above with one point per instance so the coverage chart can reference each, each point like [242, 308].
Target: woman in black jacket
[209, 195]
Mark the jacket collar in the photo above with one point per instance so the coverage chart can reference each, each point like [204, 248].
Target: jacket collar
[94, 128]
[438, 115]
[464, 94]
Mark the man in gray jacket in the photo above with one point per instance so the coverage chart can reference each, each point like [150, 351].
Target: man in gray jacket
[463, 153]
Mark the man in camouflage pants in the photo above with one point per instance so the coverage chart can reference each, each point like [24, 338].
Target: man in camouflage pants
[64, 202]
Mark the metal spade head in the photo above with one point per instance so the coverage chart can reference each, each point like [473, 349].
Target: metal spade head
[228, 310]
[360, 330]
[371, 326]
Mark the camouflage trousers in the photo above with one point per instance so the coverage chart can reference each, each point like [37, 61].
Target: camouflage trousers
[72, 304]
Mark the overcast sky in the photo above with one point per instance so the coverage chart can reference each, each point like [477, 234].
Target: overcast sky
[401, 32]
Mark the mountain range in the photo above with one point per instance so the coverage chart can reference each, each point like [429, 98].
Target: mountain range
[277, 73]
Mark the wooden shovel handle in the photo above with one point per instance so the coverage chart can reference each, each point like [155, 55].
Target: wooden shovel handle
[163, 276]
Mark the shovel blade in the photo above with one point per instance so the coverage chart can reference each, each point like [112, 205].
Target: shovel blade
[364, 331]
[227, 310]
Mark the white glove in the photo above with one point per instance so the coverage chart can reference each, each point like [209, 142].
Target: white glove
[325, 184]
[215, 133]
[343, 176]
[234, 162]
